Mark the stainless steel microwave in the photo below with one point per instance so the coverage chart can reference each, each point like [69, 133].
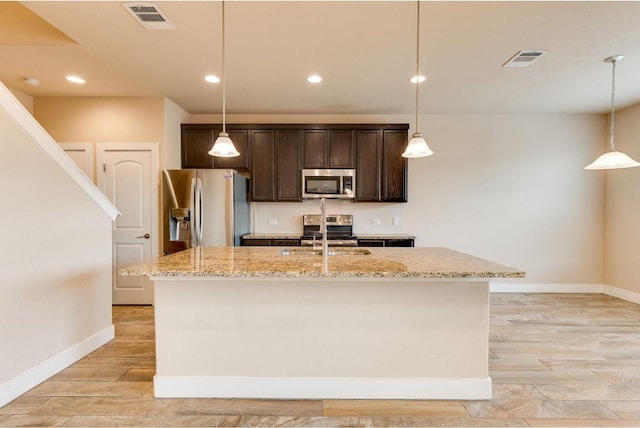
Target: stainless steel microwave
[329, 183]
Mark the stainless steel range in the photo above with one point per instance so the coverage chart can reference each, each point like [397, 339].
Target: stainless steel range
[339, 230]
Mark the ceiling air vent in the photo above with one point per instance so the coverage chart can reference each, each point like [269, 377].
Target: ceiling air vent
[524, 58]
[149, 16]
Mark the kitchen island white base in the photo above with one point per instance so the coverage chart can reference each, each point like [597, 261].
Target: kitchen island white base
[322, 338]
[322, 388]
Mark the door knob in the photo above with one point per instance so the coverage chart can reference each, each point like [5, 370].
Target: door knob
[145, 236]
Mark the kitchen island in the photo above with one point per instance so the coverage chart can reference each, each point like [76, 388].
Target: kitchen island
[268, 322]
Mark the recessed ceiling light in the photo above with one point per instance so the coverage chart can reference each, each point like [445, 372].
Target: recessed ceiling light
[417, 79]
[75, 79]
[211, 78]
[314, 78]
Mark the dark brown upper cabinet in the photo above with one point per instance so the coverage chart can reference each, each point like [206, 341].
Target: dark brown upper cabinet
[275, 154]
[329, 148]
[197, 140]
[289, 164]
[263, 167]
[381, 171]
[195, 146]
[394, 166]
[276, 167]
[368, 148]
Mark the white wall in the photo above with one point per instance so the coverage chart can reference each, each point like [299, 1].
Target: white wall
[622, 207]
[55, 262]
[174, 115]
[513, 189]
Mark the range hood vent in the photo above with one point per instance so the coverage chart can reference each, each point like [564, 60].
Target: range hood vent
[149, 16]
[524, 58]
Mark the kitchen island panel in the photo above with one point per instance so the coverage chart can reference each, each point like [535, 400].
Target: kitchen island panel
[322, 338]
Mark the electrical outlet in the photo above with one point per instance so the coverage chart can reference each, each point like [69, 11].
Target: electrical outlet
[395, 221]
[273, 221]
[376, 222]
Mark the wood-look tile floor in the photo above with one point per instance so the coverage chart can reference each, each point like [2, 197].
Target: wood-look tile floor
[556, 360]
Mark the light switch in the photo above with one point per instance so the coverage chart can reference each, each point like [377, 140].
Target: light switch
[273, 221]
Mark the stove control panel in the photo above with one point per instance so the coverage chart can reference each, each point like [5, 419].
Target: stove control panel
[332, 220]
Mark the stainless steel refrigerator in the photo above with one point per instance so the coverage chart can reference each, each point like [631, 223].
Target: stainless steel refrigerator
[203, 207]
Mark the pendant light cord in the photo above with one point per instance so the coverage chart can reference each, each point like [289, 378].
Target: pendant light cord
[613, 103]
[417, 58]
[224, 81]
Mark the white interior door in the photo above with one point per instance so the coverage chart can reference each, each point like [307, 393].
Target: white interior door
[128, 176]
[83, 155]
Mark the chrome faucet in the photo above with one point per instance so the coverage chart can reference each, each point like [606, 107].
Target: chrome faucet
[323, 230]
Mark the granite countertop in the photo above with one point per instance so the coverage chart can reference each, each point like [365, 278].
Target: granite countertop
[292, 235]
[299, 235]
[370, 235]
[417, 262]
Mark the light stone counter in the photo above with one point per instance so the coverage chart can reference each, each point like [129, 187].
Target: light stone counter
[416, 262]
[398, 323]
[272, 236]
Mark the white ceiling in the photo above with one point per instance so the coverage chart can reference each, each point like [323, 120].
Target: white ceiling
[365, 50]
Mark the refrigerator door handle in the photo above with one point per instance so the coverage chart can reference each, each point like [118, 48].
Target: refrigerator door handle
[198, 212]
[192, 211]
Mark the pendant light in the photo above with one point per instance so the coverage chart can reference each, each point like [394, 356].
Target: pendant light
[417, 147]
[223, 146]
[613, 159]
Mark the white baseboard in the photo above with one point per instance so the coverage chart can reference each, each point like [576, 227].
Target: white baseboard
[512, 287]
[323, 388]
[621, 293]
[22, 383]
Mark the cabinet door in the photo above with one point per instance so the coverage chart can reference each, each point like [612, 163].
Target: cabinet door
[399, 243]
[263, 165]
[196, 144]
[240, 138]
[315, 148]
[341, 149]
[288, 157]
[256, 242]
[370, 242]
[394, 166]
[285, 243]
[368, 147]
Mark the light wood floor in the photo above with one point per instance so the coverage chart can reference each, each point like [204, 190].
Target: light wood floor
[556, 360]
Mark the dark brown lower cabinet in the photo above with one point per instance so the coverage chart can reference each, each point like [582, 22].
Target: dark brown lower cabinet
[401, 242]
[259, 242]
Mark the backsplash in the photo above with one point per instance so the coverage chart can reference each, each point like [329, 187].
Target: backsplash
[282, 217]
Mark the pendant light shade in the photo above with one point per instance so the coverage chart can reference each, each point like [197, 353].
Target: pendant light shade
[223, 146]
[417, 147]
[613, 159]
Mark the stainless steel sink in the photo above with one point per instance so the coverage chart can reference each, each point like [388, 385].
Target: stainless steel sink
[332, 252]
